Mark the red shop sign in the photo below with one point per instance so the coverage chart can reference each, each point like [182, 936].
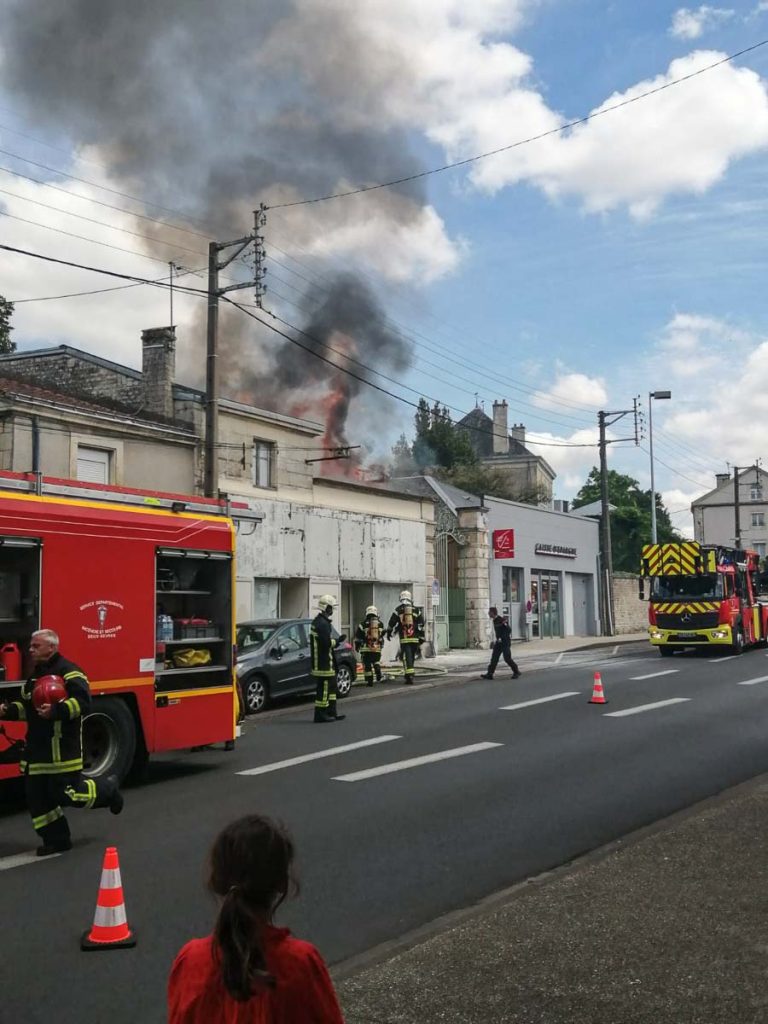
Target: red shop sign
[503, 543]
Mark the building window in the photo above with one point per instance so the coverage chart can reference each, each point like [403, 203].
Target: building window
[755, 492]
[760, 549]
[94, 465]
[758, 518]
[510, 583]
[263, 462]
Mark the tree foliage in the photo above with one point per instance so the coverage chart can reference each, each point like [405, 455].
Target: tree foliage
[631, 519]
[7, 345]
[439, 448]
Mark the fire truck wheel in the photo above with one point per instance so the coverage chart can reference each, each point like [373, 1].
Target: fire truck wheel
[343, 681]
[109, 739]
[256, 693]
[738, 640]
[666, 652]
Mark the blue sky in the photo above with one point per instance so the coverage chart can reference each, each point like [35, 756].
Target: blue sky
[569, 275]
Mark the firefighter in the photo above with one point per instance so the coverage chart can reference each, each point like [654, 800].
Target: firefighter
[501, 646]
[369, 639]
[323, 662]
[52, 762]
[408, 622]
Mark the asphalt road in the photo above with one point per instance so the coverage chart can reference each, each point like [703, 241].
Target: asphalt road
[511, 788]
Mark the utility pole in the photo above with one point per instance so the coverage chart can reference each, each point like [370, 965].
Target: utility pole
[736, 509]
[215, 265]
[606, 551]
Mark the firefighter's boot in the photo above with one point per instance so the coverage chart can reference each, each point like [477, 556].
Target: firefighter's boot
[323, 715]
[333, 712]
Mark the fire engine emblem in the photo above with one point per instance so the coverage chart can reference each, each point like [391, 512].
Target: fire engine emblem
[686, 617]
[100, 618]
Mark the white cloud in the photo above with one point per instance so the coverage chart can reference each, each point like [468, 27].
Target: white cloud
[573, 389]
[455, 76]
[691, 24]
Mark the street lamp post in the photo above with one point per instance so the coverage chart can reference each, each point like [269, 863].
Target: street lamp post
[651, 396]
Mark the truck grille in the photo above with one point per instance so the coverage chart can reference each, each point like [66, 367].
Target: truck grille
[700, 620]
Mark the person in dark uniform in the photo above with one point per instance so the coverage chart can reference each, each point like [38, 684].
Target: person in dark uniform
[408, 622]
[322, 643]
[52, 762]
[369, 639]
[501, 646]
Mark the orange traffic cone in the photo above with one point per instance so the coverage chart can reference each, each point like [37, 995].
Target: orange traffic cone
[598, 697]
[110, 925]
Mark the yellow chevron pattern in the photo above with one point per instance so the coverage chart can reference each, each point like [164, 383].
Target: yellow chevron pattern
[688, 606]
[684, 559]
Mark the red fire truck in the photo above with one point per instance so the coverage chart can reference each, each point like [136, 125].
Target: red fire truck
[139, 587]
[703, 595]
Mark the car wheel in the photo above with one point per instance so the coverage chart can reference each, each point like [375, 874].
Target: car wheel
[343, 681]
[666, 652]
[256, 695]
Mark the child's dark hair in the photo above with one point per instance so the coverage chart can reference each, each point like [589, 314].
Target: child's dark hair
[250, 869]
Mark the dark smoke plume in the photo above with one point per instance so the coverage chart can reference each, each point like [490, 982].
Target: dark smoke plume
[210, 108]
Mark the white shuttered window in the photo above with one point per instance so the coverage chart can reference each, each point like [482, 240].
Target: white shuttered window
[93, 464]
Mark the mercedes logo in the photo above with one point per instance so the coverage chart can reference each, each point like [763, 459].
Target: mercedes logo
[686, 617]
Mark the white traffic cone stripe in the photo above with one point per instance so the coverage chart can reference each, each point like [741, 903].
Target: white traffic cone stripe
[110, 878]
[109, 917]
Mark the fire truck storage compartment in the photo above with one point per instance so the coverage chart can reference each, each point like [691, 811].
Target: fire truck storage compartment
[19, 599]
[193, 599]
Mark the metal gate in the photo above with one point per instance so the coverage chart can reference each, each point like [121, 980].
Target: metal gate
[450, 619]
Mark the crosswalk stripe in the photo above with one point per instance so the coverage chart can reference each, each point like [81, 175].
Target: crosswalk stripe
[540, 700]
[330, 752]
[19, 859]
[655, 675]
[414, 762]
[646, 707]
[751, 682]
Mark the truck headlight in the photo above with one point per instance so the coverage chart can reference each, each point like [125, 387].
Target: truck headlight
[655, 634]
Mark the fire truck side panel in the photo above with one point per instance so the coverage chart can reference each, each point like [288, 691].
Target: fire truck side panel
[98, 591]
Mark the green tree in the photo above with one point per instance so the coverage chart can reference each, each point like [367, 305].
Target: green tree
[631, 520]
[7, 345]
[437, 442]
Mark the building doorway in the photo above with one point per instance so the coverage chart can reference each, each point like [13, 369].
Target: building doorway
[546, 604]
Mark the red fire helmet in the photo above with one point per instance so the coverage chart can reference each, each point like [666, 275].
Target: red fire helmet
[48, 690]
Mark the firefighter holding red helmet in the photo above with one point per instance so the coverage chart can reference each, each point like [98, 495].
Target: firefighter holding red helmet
[53, 702]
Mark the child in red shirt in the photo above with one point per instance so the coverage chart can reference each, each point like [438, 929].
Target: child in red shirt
[248, 971]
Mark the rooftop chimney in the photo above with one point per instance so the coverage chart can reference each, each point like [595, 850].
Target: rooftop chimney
[500, 430]
[158, 365]
[722, 478]
[518, 432]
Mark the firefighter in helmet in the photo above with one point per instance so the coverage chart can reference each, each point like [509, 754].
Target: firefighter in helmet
[408, 622]
[52, 762]
[322, 643]
[369, 639]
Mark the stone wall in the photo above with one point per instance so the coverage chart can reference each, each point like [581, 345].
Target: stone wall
[630, 612]
[63, 371]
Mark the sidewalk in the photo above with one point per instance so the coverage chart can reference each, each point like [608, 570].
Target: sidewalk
[667, 926]
[522, 652]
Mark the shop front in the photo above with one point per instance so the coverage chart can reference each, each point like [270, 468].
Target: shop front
[543, 570]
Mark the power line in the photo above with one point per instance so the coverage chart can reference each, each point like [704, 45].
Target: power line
[521, 142]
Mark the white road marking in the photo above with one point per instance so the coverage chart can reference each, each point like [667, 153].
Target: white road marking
[616, 649]
[751, 682]
[330, 752]
[559, 658]
[728, 657]
[655, 675]
[19, 859]
[414, 762]
[646, 707]
[540, 700]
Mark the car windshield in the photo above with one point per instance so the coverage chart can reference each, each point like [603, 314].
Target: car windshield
[253, 636]
[687, 588]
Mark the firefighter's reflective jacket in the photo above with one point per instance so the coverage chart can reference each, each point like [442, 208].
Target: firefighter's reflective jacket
[322, 643]
[408, 622]
[54, 745]
[369, 636]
